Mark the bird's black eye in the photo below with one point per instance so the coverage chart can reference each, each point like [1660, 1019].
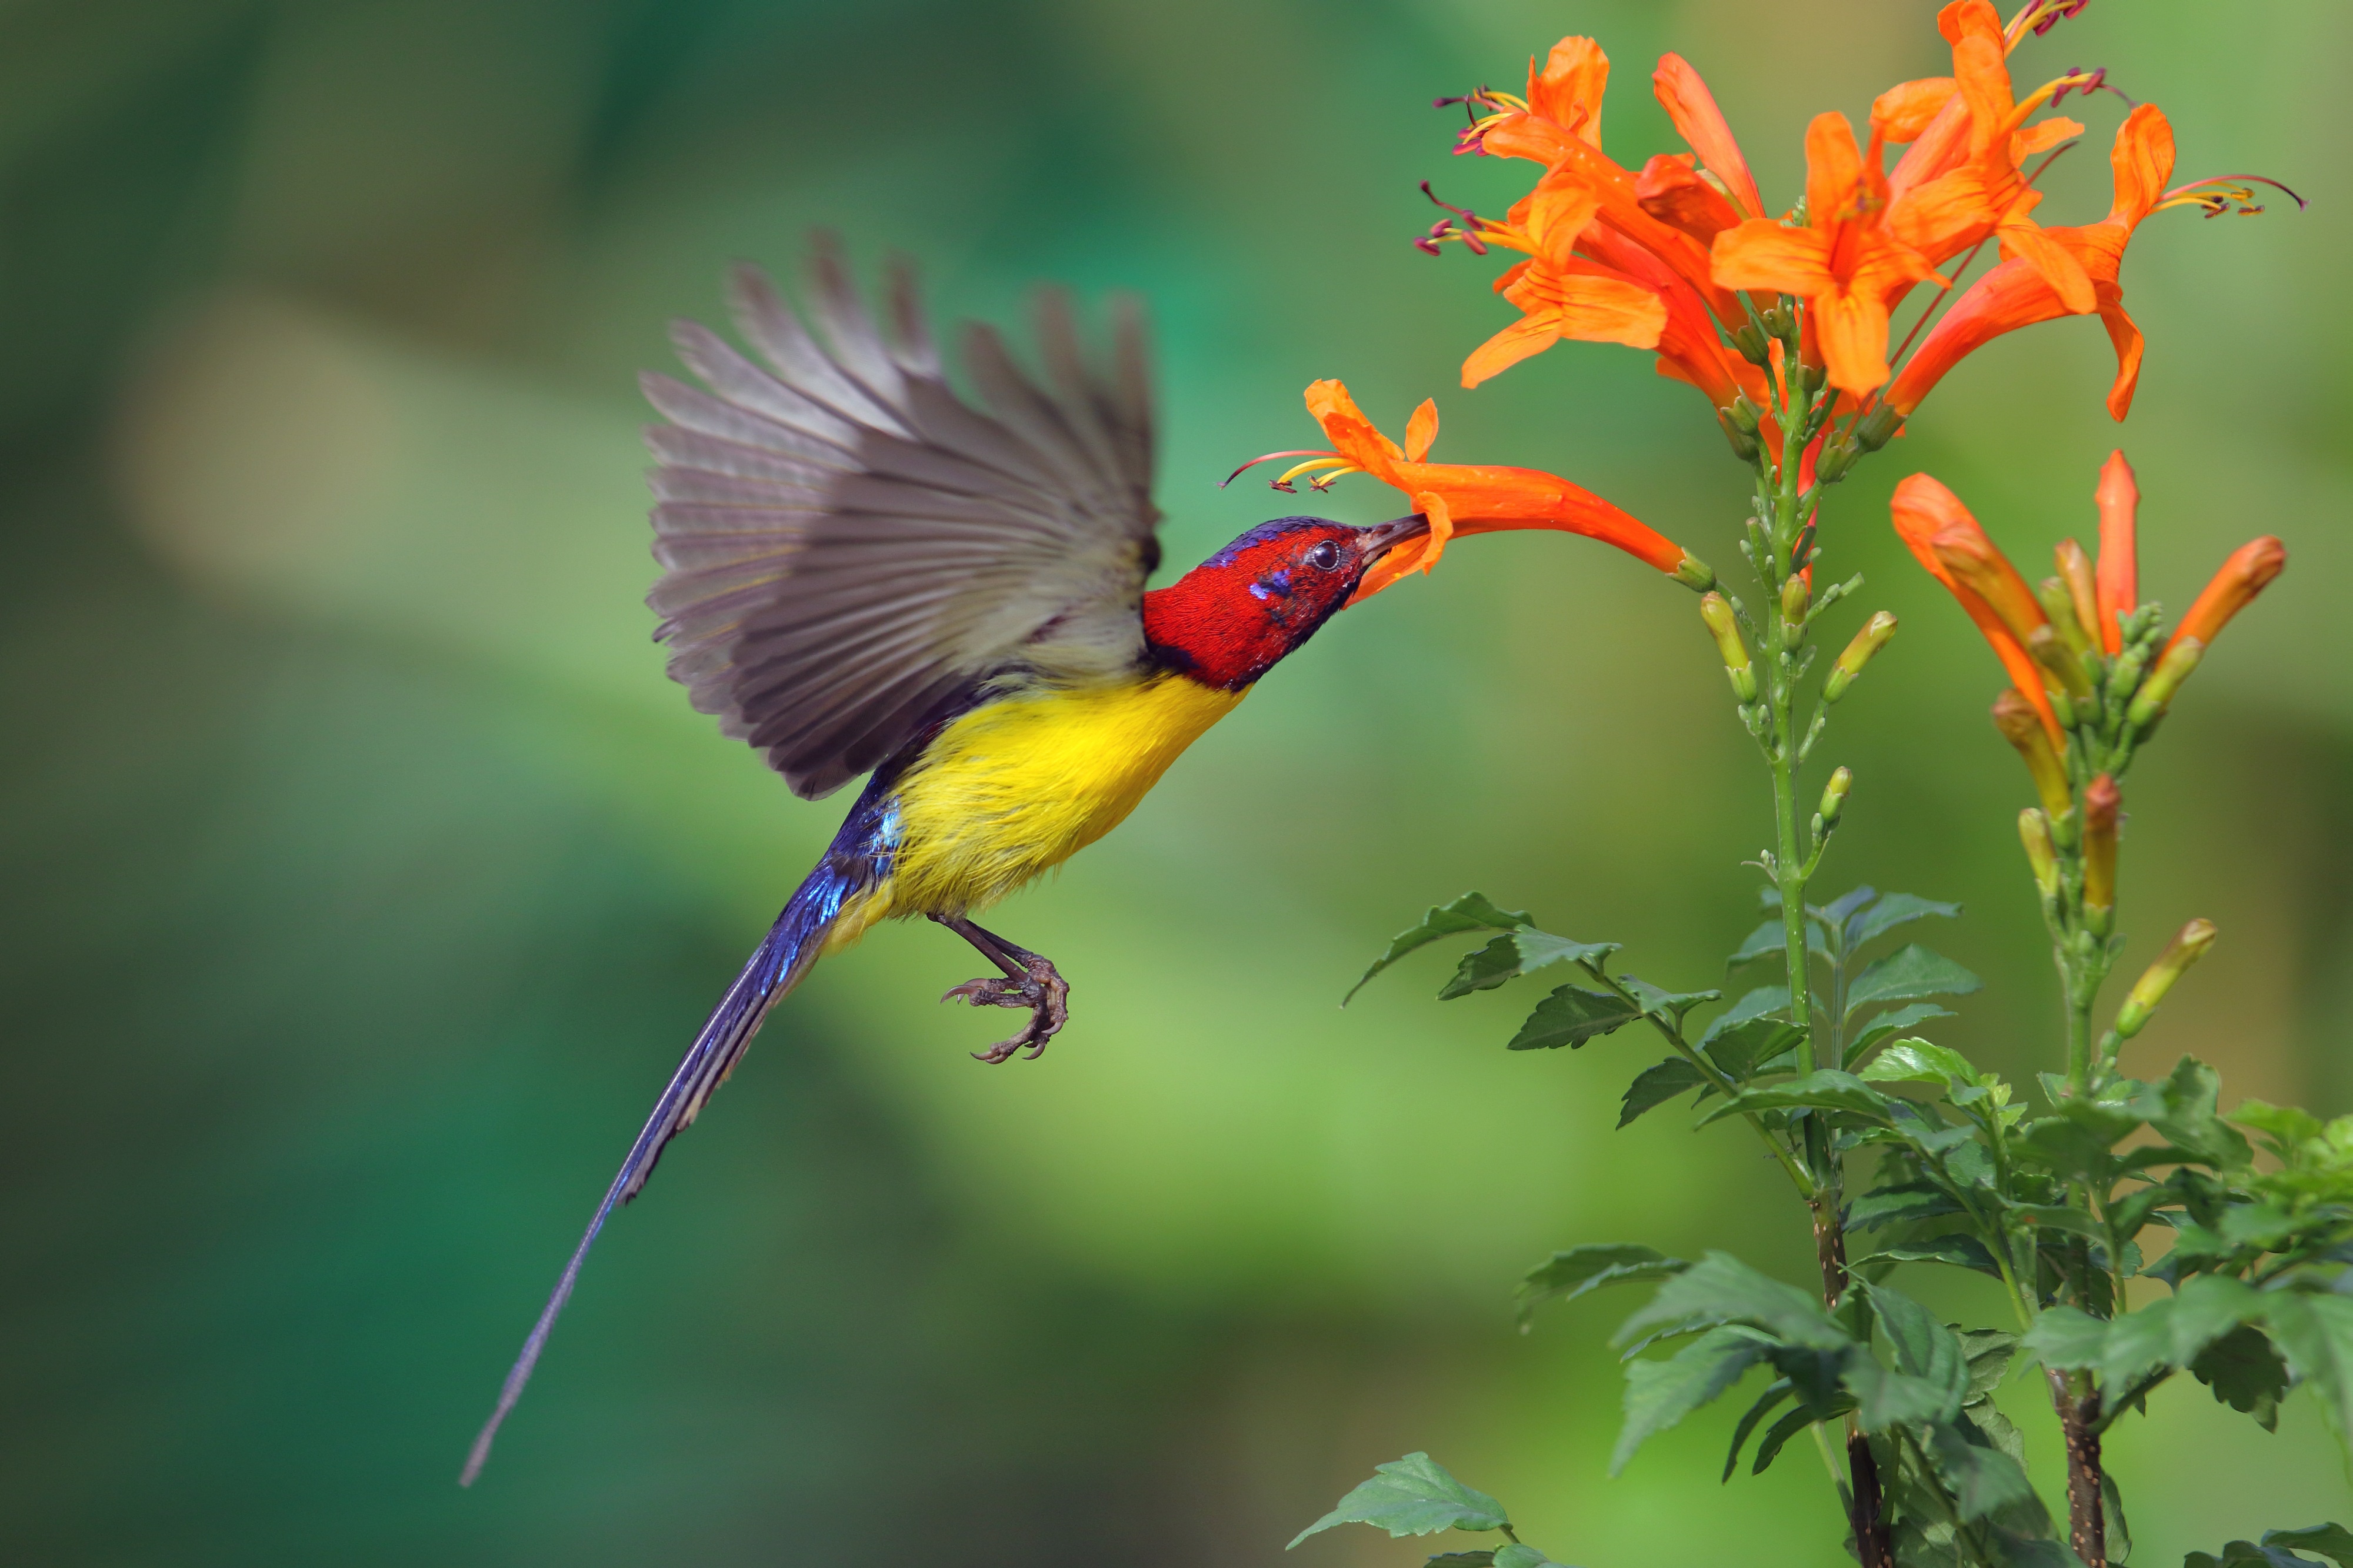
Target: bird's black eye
[1325, 556]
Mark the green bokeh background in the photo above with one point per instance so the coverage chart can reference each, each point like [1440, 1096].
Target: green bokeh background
[365, 876]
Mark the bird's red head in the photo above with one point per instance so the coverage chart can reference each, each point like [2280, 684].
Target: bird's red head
[1234, 616]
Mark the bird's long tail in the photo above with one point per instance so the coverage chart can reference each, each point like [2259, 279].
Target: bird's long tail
[777, 965]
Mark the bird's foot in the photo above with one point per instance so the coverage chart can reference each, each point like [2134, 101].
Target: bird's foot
[1039, 987]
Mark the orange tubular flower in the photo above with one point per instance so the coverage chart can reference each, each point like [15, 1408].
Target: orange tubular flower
[1942, 535]
[1460, 499]
[1560, 295]
[2247, 572]
[2016, 294]
[1701, 124]
[1846, 262]
[2119, 591]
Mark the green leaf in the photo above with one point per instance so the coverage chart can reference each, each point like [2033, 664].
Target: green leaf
[1413, 1496]
[2183, 1108]
[1660, 1393]
[2067, 1340]
[1654, 1086]
[1667, 1007]
[2112, 1516]
[1778, 1435]
[1516, 953]
[2314, 1333]
[1720, 1289]
[2246, 1373]
[1565, 1276]
[1773, 937]
[1744, 1049]
[1764, 1406]
[1917, 1061]
[2173, 1332]
[1897, 1202]
[1891, 1023]
[1472, 911]
[1960, 1251]
[1845, 904]
[1827, 1089]
[1990, 1353]
[1907, 974]
[1518, 1556]
[1924, 1348]
[1893, 910]
[1982, 1480]
[1480, 1559]
[2062, 1216]
[2333, 1541]
[1570, 1016]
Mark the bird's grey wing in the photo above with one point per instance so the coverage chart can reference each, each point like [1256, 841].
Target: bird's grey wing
[846, 540]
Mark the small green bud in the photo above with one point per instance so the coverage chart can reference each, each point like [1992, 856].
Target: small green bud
[1749, 338]
[2022, 728]
[1744, 412]
[1833, 800]
[2156, 693]
[1876, 429]
[2042, 857]
[1867, 642]
[1794, 594]
[1725, 627]
[1837, 457]
[1695, 573]
[2051, 652]
[2059, 602]
[2188, 945]
[1744, 442]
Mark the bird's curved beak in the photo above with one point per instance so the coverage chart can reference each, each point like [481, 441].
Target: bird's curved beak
[1383, 537]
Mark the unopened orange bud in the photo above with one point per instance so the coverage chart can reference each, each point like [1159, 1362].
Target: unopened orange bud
[2249, 570]
[2118, 587]
[1867, 642]
[1725, 627]
[2187, 946]
[1986, 571]
[2102, 807]
[2042, 857]
[2021, 726]
[2075, 586]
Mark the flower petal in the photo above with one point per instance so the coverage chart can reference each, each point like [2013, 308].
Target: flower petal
[1420, 431]
[1905, 111]
[2125, 336]
[1567, 91]
[1833, 171]
[1852, 330]
[1705, 131]
[2055, 263]
[1524, 339]
[1672, 191]
[2118, 590]
[2142, 160]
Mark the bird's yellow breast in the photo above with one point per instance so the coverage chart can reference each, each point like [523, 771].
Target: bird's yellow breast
[1015, 787]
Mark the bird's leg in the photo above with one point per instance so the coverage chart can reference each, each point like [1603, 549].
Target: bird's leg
[1031, 980]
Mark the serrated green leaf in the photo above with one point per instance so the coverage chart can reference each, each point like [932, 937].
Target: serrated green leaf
[2174, 1331]
[2333, 1541]
[1516, 1555]
[1980, 1480]
[1959, 1251]
[1836, 911]
[1990, 1353]
[1826, 1089]
[2315, 1334]
[1891, 1023]
[1773, 937]
[1765, 1404]
[1777, 1437]
[1924, 1348]
[2061, 1216]
[1908, 974]
[1658, 1393]
[1742, 1050]
[1899, 1202]
[2246, 1373]
[1892, 910]
[1885, 1399]
[1570, 1016]
[1518, 953]
[1668, 1006]
[1720, 1289]
[2183, 1108]
[1480, 1559]
[1472, 911]
[2067, 1340]
[1565, 1276]
[1919, 1061]
[1754, 1004]
[1413, 1496]
[1654, 1086]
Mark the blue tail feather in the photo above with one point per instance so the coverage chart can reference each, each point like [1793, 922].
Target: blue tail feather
[860, 855]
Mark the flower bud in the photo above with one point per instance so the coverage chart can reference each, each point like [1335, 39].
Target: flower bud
[2249, 570]
[1833, 799]
[1744, 442]
[1725, 627]
[1979, 565]
[2051, 652]
[1876, 429]
[2075, 570]
[2156, 693]
[1795, 592]
[2059, 604]
[1749, 338]
[1695, 573]
[1744, 412]
[2118, 592]
[2102, 807]
[1868, 641]
[2042, 857]
[2021, 726]
[1837, 456]
[2187, 946]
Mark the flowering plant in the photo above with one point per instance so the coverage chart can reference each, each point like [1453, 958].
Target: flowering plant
[2136, 1232]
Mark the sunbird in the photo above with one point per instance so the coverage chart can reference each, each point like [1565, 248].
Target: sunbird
[863, 573]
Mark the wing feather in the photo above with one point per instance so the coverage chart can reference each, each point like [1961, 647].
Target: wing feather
[848, 543]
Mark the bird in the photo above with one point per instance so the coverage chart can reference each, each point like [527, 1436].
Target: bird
[866, 572]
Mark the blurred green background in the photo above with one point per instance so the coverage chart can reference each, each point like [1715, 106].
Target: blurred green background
[365, 876]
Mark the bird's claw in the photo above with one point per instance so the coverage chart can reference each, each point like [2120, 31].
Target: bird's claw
[1041, 988]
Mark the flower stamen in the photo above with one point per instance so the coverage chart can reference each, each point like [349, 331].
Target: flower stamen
[2215, 196]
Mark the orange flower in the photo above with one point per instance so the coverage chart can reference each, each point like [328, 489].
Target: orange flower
[2247, 572]
[1984, 192]
[1701, 124]
[2118, 584]
[2017, 294]
[1942, 535]
[1845, 262]
[1460, 499]
[1560, 295]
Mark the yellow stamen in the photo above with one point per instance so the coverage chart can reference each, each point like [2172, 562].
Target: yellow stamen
[1311, 466]
[1324, 481]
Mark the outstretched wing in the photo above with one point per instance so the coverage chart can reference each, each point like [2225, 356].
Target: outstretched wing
[847, 542]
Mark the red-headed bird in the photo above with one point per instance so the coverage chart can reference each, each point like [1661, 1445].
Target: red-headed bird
[863, 572]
